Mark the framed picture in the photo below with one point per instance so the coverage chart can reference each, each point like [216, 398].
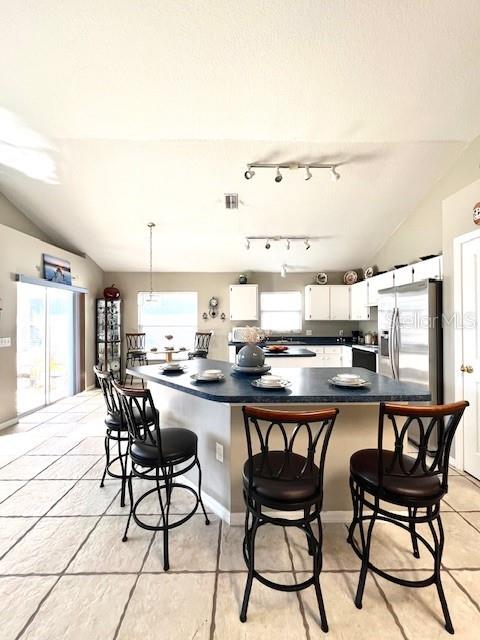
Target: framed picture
[56, 270]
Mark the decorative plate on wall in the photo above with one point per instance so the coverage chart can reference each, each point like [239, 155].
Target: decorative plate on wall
[369, 272]
[350, 277]
[321, 278]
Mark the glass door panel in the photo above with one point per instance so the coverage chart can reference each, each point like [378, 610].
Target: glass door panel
[60, 341]
[31, 347]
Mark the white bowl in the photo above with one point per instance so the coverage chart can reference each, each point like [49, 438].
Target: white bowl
[347, 377]
[271, 381]
[211, 373]
[172, 365]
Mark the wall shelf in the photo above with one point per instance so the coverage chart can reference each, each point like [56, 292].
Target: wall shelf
[20, 277]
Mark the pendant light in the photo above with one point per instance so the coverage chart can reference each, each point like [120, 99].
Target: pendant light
[151, 226]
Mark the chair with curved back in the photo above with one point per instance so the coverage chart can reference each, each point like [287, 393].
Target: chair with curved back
[201, 346]
[412, 481]
[136, 353]
[284, 472]
[159, 455]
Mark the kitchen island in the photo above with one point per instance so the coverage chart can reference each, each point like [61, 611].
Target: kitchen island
[213, 411]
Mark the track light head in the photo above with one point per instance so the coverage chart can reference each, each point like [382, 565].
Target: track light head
[307, 244]
[278, 175]
[288, 244]
[267, 244]
[308, 172]
[249, 173]
[247, 244]
[334, 174]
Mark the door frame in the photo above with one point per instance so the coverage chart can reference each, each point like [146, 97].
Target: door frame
[458, 243]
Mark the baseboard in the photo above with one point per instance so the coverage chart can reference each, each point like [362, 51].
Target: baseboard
[8, 423]
[342, 517]
[90, 387]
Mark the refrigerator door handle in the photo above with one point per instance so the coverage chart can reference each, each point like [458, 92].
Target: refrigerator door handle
[396, 349]
[390, 343]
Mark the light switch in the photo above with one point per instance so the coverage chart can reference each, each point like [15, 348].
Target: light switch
[5, 342]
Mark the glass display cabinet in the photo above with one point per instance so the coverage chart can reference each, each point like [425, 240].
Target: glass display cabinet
[109, 335]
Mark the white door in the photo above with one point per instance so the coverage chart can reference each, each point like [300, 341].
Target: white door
[471, 353]
[359, 300]
[339, 302]
[243, 302]
[317, 302]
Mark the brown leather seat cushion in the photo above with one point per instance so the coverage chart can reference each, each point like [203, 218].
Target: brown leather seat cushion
[287, 488]
[364, 468]
[178, 445]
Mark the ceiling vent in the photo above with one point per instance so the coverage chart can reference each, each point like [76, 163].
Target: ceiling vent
[231, 201]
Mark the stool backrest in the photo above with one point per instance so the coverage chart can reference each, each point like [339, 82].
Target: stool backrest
[139, 414]
[105, 380]
[135, 341]
[439, 421]
[267, 430]
[202, 341]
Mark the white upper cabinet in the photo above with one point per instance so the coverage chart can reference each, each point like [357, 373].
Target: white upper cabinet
[376, 284]
[339, 302]
[404, 275]
[243, 302]
[359, 309]
[317, 302]
[431, 268]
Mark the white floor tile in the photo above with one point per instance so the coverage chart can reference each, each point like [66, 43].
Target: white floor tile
[7, 487]
[86, 498]
[58, 445]
[271, 550]
[90, 445]
[82, 607]
[68, 468]
[26, 467]
[48, 547]
[35, 498]
[21, 596]
[105, 552]
[147, 614]
[11, 529]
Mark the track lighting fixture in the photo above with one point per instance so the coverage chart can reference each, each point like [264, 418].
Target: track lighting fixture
[308, 172]
[278, 175]
[287, 239]
[287, 244]
[249, 173]
[334, 174]
[307, 244]
[247, 244]
[267, 244]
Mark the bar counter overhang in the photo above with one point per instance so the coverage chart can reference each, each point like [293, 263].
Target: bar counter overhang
[213, 411]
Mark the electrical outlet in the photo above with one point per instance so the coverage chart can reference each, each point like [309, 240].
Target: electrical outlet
[5, 342]
[219, 451]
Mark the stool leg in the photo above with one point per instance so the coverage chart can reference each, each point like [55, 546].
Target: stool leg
[309, 532]
[412, 513]
[439, 541]
[251, 568]
[166, 562]
[123, 463]
[317, 568]
[353, 524]
[365, 552]
[207, 521]
[107, 459]
[130, 493]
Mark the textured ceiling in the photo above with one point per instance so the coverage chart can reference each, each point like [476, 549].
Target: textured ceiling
[116, 113]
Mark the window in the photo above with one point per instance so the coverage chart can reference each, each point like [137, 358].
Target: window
[281, 311]
[169, 312]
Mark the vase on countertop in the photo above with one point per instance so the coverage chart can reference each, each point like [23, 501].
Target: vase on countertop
[251, 355]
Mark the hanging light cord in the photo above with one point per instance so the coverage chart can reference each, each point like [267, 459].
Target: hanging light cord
[150, 226]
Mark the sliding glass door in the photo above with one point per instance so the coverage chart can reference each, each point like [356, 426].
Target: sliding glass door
[45, 345]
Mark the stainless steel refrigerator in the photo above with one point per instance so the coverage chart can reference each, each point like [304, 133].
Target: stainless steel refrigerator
[410, 334]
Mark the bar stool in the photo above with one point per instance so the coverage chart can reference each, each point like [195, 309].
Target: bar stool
[411, 481]
[201, 345]
[278, 478]
[136, 354]
[159, 455]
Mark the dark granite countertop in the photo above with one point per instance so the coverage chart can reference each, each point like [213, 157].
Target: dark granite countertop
[292, 352]
[309, 385]
[301, 340]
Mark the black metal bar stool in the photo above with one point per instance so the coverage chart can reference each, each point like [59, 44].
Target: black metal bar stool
[136, 354]
[278, 478]
[412, 481]
[160, 455]
[201, 346]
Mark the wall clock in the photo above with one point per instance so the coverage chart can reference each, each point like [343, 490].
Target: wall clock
[213, 307]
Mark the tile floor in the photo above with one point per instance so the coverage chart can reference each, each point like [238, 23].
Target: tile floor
[65, 574]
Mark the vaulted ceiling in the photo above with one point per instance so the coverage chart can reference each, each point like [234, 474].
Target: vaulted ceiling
[118, 113]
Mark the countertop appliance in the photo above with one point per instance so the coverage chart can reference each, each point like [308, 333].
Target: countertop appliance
[410, 333]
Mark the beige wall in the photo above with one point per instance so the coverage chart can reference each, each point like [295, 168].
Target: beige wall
[216, 284]
[22, 253]
[421, 233]
[10, 216]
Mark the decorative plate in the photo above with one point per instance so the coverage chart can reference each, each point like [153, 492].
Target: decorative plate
[251, 370]
[197, 377]
[350, 277]
[321, 278]
[283, 385]
[349, 385]
[369, 272]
